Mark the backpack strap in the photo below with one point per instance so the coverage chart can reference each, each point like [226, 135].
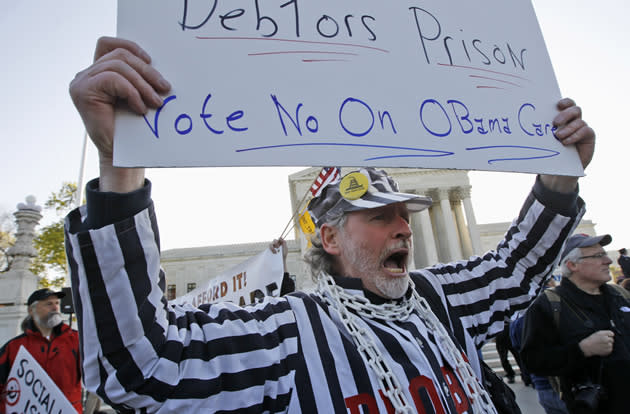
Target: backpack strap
[625, 293]
[554, 300]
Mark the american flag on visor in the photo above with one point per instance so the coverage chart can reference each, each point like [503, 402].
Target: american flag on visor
[326, 176]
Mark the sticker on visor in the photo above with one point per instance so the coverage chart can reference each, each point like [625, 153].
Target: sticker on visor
[354, 185]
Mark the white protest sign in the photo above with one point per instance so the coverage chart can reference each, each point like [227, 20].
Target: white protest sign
[243, 284]
[436, 84]
[30, 390]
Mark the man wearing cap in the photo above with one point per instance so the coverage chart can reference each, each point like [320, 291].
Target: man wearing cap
[53, 344]
[369, 339]
[624, 263]
[590, 340]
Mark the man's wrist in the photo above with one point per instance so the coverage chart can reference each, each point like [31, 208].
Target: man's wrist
[117, 179]
[559, 183]
[582, 347]
[565, 203]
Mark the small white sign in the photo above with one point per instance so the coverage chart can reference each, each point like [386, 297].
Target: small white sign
[29, 389]
[435, 84]
[245, 283]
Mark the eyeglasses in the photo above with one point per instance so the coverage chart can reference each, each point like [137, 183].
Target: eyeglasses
[595, 256]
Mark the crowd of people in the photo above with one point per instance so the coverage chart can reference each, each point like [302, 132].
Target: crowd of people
[374, 336]
[571, 359]
[571, 347]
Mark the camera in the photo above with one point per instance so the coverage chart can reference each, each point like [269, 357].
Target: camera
[586, 396]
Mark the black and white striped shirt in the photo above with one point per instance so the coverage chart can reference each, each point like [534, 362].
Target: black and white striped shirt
[289, 354]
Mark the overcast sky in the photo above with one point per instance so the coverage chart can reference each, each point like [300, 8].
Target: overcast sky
[45, 43]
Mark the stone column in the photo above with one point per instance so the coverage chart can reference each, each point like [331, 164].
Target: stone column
[428, 238]
[424, 243]
[452, 239]
[19, 282]
[475, 239]
[464, 236]
[21, 254]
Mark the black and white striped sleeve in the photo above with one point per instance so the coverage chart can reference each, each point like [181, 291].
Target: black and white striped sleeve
[484, 290]
[139, 353]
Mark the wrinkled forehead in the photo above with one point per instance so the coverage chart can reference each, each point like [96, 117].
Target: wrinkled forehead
[394, 209]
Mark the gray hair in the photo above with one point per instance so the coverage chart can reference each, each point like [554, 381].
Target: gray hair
[573, 256]
[26, 322]
[316, 257]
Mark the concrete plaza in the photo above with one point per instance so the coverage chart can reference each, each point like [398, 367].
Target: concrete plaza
[527, 398]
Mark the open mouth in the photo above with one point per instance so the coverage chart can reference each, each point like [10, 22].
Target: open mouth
[396, 262]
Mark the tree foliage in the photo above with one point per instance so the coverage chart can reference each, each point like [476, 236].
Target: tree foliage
[63, 200]
[6, 240]
[50, 263]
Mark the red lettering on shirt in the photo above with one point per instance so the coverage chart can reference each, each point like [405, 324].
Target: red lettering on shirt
[423, 384]
[419, 387]
[457, 392]
[353, 403]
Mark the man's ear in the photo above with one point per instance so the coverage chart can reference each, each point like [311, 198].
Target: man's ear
[330, 239]
[572, 266]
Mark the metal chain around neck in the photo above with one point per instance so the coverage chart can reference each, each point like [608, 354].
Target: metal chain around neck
[342, 301]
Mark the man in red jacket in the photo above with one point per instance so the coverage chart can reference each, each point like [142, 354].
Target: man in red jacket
[53, 344]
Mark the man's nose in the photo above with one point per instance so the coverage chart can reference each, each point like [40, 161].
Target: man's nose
[403, 230]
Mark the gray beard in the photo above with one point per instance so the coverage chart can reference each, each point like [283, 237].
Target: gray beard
[49, 321]
[389, 288]
[392, 288]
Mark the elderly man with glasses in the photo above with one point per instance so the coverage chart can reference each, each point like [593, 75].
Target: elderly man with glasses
[582, 333]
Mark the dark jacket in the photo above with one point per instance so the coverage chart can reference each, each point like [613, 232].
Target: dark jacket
[624, 263]
[552, 350]
[516, 337]
[59, 357]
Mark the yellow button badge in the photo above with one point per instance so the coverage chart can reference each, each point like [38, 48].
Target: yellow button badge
[354, 185]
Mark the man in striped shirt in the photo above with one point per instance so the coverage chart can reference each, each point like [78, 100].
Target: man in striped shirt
[366, 340]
